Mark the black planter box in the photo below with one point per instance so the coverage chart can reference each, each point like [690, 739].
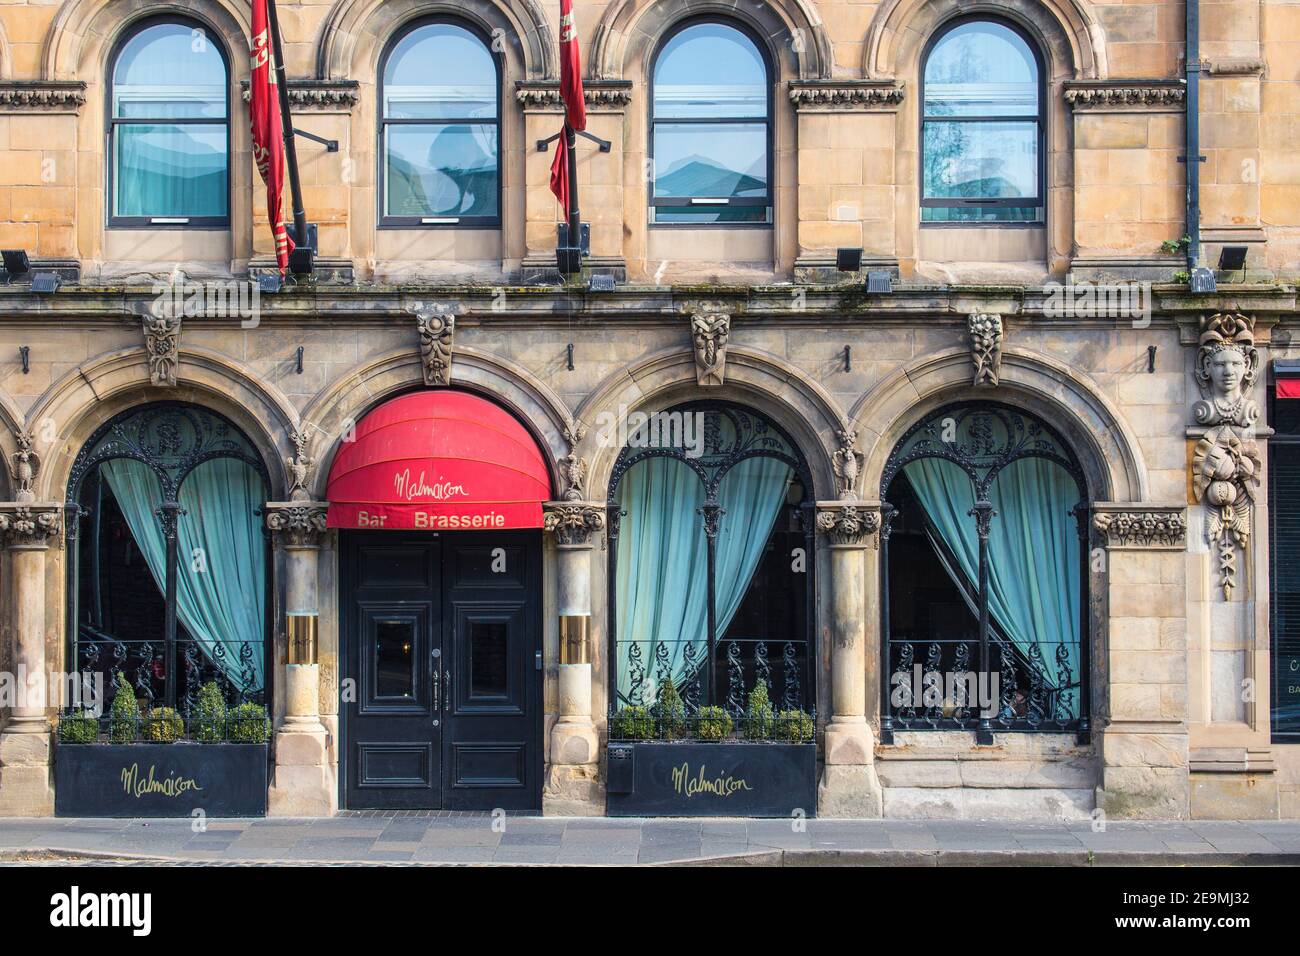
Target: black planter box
[696, 779]
[160, 780]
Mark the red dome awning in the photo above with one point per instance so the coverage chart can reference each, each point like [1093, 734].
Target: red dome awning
[438, 461]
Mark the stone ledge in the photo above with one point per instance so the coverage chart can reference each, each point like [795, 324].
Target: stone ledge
[42, 96]
[317, 96]
[845, 95]
[967, 803]
[1146, 96]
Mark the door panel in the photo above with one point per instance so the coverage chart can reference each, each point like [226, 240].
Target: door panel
[491, 600]
[442, 636]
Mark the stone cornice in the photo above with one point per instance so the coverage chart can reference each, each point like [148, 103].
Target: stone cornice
[574, 523]
[845, 94]
[597, 94]
[42, 96]
[1129, 525]
[849, 524]
[26, 525]
[318, 96]
[1112, 95]
[298, 524]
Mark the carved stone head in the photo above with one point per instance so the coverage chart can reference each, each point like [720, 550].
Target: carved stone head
[1227, 364]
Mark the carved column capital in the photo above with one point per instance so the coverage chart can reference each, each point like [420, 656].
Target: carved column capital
[1140, 525]
[985, 329]
[849, 524]
[298, 524]
[162, 343]
[29, 526]
[574, 523]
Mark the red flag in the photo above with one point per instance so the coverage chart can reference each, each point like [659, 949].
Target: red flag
[575, 109]
[268, 130]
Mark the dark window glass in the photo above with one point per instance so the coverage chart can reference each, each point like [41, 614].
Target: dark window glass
[981, 128]
[169, 127]
[440, 132]
[394, 658]
[488, 646]
[711, 128]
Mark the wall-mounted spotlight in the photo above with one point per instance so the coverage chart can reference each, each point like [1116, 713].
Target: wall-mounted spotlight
[1232, 258]
[25, 353]
[1151, 359]
[46, 283]
[570, 356]
[848, 260]
[848, 359]
[16, 263]
[300, 351]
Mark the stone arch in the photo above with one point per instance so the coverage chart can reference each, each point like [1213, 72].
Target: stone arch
[630, 29]
[532, 401]
[91, 394]
[356, 31]
[84, 31]
[11, 423]
[1106, 447]
[758, 379]
[1070, 33]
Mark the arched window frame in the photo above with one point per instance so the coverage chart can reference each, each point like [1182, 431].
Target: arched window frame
[113, 440]
[383, 122]
[1051, 447]
[112, 123]
[767, 201]
[718, 689]
[1037, 202]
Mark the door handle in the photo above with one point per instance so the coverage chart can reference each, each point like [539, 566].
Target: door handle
[437, 699]
[447, 697]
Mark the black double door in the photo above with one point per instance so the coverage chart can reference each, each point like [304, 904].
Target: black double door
[442, 642]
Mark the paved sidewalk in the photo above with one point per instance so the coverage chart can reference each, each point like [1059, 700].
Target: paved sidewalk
[472, 838]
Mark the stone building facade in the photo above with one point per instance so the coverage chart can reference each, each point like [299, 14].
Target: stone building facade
[1162, 412]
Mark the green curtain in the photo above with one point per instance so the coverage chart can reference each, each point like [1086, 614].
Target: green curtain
[221, 574]
[220, 592]
[751, 494]
[662, 557]
[1033, 551]
[662, 563]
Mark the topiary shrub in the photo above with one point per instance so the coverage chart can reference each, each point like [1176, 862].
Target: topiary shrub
[248, 724]
[758, 716]
[78, 728]
[714, 723]
[163, 726]
[671, 712]
[208, 720]
[124, 715]
[794, 725]
[632, 723]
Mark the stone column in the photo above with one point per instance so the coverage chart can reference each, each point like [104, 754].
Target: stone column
[573, 784]
[849, 786]
[1144, 750]
[304, 784]
[26, 789]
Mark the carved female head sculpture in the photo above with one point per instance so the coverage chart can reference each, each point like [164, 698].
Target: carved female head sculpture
[1227, 364]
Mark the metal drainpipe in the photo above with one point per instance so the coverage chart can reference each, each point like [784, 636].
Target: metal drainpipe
[1192, 64]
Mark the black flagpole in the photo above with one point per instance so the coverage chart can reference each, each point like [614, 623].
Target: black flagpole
[575, 218]
[286, 120]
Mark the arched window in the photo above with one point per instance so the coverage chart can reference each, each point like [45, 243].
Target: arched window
[984, 543]
[711, 127]
[167, 570]
[439, 129]
[981, 125]
[710, 509]
[169, 128]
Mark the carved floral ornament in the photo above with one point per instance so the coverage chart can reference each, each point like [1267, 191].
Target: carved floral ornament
[299, 466]
[847, 462]
[573, 470]
[1226, 463]
[985, 329]
[710, 330]
[162, 343]
[1139, 527]
[24, 466]
[437, 328]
